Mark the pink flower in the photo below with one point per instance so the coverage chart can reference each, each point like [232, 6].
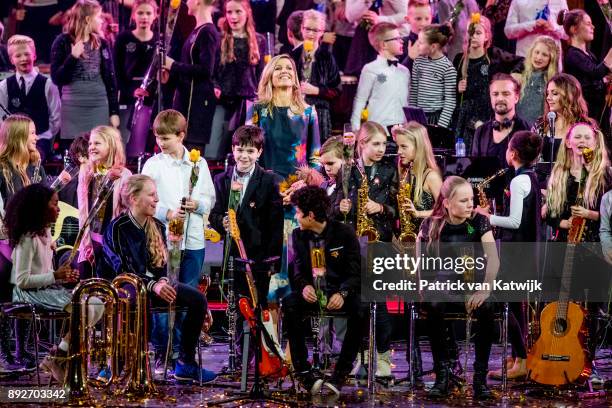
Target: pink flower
[236, 186]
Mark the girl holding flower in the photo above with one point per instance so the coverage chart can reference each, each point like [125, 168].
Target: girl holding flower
[317, 70]
[475, 66]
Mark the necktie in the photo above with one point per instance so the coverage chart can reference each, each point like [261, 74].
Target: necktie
[392, 62]
[22, 87]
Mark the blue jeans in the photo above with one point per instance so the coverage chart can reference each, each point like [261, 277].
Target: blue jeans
[191, 268]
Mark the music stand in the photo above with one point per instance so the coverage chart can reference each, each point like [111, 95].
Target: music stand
[415, 114]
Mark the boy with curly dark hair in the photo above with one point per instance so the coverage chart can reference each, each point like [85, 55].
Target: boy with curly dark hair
[342, 288]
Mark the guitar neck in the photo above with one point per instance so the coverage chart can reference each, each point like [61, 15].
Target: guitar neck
[249, 273]
[566, 280]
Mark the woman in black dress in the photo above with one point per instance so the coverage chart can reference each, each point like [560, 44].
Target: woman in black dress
[195, 96]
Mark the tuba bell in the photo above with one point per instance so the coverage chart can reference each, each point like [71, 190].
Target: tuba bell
[134, 338]
[82, 346]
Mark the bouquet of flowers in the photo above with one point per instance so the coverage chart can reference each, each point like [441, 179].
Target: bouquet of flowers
[304, 176]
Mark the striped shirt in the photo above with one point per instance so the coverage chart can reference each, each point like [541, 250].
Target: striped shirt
[433, 87]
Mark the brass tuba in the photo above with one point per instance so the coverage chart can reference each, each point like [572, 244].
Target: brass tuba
[365, 225]
[404, 196]
[134, 338]
[82, 346]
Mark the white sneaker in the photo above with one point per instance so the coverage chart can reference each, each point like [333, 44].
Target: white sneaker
[383, 364]
[358, 365]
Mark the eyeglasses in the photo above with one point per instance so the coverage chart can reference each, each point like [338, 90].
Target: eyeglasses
[393, 39]
[312, 30]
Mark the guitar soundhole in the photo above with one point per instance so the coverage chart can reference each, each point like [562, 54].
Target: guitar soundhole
[560, 326]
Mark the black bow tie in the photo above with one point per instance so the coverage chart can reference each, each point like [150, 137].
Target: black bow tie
[241, 174]
[392, 62]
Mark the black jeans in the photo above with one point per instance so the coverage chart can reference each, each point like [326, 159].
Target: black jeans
[196, 305]
[484, 331]
[295, 312]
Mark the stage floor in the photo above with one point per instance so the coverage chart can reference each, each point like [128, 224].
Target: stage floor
[356, 395]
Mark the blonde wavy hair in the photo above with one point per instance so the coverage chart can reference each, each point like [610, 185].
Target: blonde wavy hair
[424, 159]
[265, 90]
[553, 65]
[155, 242]
[76, 24]
[14, 153]
[596, 179]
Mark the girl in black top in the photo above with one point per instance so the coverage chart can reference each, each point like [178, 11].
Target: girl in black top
[564, 98]
[134, 51]
[452, 221]
[569, 172]
[19, 159]
[195, 96]
[240, 64]
[522, 222]
[381, 208]
[581, 63]
[475, 66]
[317, 70]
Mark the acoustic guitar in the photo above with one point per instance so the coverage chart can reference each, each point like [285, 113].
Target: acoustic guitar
[559, 356]
[65, 230]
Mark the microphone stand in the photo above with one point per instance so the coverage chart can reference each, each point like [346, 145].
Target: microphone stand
[161, 49]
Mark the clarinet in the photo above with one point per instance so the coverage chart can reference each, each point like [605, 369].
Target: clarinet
[232, 315]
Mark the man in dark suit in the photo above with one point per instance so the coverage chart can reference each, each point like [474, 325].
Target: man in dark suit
[341, 274]
[259, 210]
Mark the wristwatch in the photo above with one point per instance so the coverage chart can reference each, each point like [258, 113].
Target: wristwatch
[344, 294]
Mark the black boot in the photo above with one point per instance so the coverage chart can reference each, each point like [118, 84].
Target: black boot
[22, 356]
[441, 387]
[417, 360]
[7, 362]
[481, 389]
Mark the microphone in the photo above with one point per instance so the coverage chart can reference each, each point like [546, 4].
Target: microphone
[551, 116]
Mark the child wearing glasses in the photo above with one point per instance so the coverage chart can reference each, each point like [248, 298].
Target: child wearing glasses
[384, 83]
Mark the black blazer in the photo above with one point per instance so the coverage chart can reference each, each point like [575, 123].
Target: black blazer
[260, 215]
[63, 65]
[342, 259]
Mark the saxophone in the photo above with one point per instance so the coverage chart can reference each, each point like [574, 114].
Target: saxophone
[483, 201]
[404, 195]
[365, 225]
[578, 224]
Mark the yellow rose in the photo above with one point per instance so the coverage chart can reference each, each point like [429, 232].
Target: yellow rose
[475, 19]
[308, 45]
[194, 155]
[364, 115]
[267, 58]
[174, 4]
